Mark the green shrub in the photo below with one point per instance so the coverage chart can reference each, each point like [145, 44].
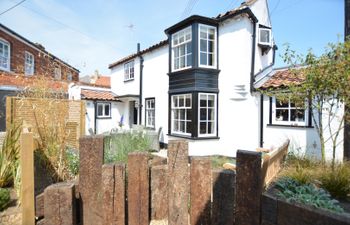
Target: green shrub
[118, 146]
[4, 198]
[336, 180]
[72, 157]
[307, 194]
[9, 155]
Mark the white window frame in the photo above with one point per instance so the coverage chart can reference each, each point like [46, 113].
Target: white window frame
[184, 107]
[214, 121]
[29, 66]
[57, 73]
[175, 43]
[129, 71]
[104, 115]
[270, 38]
[207, 52]
[8, 57]
[289, 108]
[149, 110]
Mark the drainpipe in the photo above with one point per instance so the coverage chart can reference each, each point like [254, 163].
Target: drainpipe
[95, 117]
[141, 83]
[252, 66]
[261, 120]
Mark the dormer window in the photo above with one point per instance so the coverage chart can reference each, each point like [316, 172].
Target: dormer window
[207, 46]
[182, 49]
[265, 36]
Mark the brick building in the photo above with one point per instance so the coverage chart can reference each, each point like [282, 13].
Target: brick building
[22, 61]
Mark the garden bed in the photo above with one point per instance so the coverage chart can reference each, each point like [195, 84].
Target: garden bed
[276, 211]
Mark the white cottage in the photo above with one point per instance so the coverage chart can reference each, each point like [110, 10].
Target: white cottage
[200, 84]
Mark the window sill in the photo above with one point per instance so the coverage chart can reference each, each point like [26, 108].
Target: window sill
[194, 138]
[290, 126]
[128, 80]
[102, 118]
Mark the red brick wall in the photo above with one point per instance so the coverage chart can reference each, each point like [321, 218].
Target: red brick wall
[43, 63]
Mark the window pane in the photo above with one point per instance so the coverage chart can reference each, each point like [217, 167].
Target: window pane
[211, 99]
[211, 35]
[203, 45]
[182, 114]
[203, 101]
[203, 128]
[210, 60]
[203, 33]
[281, 104]
[188, 127]
[181, 101]
[182, 126]
[175, 101]
[210, 127]
[189, 114]
[99, 110]
[176, 125]
[189, 60]
[107, 110]
[203, 59]
[282, 115]
[264, 35]
[188, 100]
[189, 47]
[203, 114]
[211, 114]
[182, 61]
[211, 46]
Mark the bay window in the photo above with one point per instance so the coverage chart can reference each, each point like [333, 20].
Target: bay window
[182, 49]
[181, 114]
[207, 45]
[4, 55]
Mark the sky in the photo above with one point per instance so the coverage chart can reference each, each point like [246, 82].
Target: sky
[91, 34]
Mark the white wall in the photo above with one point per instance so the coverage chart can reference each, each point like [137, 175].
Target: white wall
[121, 87]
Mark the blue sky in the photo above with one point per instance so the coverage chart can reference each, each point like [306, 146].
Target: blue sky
[92, 34]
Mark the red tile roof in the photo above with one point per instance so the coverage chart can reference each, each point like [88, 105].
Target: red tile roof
[21, 81]
[102, 81]
[284, 78]
[98, 95]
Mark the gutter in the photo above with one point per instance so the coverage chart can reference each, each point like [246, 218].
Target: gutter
[141, 83]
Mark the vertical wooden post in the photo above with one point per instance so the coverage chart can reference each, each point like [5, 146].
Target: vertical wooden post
[200, 191]
[113, 194]
[138, 189]
[223, 197]
[90, 177]
[159, 192]
[27, 173]
[249, 187]
[59, 204]
[178, 178]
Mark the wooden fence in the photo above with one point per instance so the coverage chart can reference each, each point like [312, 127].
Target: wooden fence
[35, 113]
[177, 192]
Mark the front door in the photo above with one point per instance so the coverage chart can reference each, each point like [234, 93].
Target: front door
[132, 113]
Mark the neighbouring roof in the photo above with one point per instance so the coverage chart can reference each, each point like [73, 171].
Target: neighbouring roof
[242, 9]
[101, 81]
[280, 78]
[98, 95]
[21, 82]
[36, 46]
